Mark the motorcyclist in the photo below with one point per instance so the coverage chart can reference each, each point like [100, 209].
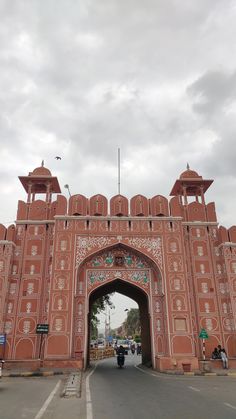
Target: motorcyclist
[133, 348]
[120, 355]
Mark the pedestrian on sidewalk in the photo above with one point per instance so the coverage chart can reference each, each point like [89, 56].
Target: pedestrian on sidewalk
[224, 358]
[215, 354]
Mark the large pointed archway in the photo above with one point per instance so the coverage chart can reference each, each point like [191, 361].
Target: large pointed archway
[141, 298]
[122, 269]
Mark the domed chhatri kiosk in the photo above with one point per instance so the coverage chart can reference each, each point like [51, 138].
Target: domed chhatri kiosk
[170, 256]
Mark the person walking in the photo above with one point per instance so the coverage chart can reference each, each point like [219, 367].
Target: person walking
[224, 358]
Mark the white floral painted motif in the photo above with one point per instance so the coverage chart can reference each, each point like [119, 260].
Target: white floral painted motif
[80, 309]
[28, 307]
[62, 264]
[200, 251]
[222, 287]
[227, 324]
[158, 325]
[177, 284]
[8, 327]
[32, 270]
[9, 307]
[12, 289]
[217, 251]
[202, 268]
[158, 307]
[14, 269]
[225, 308]
[58, 325]
[209, 325]
[207, 307]
[173, 247]
[152, 246]
[34, 250]
[36, 230]
[19, 230]
[198, 232]
[30, 288]
[80, 287]
[175, 266]
[63, 245]
[26, 326]
[219, 270]
[61, 283]
[85, 244]
[60, 304]
[178, 304]
[204, 287]
[79, 326]
[234, 267]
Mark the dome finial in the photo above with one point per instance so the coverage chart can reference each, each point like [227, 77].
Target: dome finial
[42, 164]
[188, 167]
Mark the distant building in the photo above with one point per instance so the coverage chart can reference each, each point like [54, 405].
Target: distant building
[171, 257]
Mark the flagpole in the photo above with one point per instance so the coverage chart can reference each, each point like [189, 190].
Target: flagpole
[118, 171]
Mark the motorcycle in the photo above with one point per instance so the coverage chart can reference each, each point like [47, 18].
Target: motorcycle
[120, 359]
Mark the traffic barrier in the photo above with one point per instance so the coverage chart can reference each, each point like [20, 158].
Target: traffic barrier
[96, 354]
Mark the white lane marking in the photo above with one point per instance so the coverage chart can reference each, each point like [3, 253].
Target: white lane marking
[49, 399]
[140, 369]
[230, 405]
[89, 410]
[194, 388]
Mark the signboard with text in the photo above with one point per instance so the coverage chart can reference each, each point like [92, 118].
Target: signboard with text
[42, 328]
[203, 334]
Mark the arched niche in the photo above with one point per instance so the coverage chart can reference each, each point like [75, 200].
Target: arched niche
[119, 206]
[77, 205]
[139, 206]
[98, 205]
[159, 206]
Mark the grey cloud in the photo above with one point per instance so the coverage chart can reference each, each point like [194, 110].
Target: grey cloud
[86, 79]
[212, 92]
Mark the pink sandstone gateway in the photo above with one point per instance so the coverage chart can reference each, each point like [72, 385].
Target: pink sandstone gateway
[171, 257]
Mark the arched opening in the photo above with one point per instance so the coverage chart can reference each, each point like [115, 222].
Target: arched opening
[127, 271]
[141, 298]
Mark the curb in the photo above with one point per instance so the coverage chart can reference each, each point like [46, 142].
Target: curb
[33, 374]
[52, 373]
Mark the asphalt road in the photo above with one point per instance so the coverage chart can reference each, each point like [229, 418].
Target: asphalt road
[128, 393]
[131, 393]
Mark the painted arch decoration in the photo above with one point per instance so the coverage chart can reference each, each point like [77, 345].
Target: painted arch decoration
[151, 247]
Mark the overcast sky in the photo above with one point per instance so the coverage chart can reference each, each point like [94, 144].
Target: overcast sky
[156, 78]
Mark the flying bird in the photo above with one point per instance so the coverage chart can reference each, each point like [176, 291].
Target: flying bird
[58, 158]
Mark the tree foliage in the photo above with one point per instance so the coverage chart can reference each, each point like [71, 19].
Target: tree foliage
[132, 324]
[98, 306]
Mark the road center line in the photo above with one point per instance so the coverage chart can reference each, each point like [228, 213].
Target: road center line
[230, 405]
[194, 388]
[49, 399]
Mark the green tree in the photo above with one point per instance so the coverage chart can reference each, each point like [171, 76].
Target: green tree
[132, 324]
[98, 306]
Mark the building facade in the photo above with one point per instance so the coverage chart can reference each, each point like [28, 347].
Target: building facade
[170, 256]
